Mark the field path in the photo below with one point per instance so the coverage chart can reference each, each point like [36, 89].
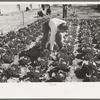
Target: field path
[72, 77]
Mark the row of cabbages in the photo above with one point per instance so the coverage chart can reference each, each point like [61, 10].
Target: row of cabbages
[89, 50]
[11, 45]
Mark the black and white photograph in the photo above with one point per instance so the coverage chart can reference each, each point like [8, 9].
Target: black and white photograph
[49, 42]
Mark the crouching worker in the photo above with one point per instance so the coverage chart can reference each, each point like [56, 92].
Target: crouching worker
[53, 31]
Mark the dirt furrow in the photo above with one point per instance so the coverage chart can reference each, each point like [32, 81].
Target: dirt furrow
[72, 75]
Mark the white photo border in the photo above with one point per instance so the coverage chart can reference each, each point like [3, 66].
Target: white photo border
[68, 90]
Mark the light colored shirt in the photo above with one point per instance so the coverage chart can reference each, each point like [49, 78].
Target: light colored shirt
[43, 11]
[54, 23]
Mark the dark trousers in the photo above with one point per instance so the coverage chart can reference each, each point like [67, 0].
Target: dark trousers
[46, 34]
[46, 30]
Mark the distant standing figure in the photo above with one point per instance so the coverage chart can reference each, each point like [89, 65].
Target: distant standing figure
[41, 12]
[48, 11]
[56, 27]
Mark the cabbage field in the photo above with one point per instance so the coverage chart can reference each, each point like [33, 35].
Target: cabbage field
[23, 60]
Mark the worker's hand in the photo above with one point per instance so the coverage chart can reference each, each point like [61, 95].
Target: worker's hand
[52, 56]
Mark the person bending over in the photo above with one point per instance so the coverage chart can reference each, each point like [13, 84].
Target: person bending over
[53, 31]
